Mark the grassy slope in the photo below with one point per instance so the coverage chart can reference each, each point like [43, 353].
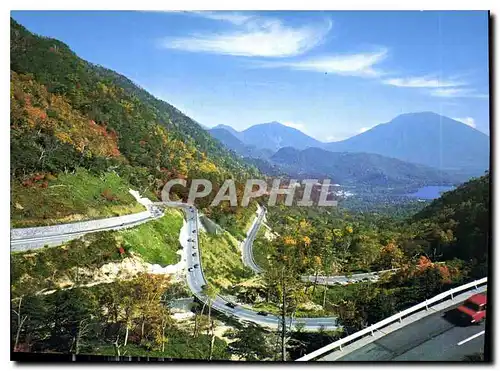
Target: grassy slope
[156, 242]
[222, 264]
[71, 197]
[150, 240]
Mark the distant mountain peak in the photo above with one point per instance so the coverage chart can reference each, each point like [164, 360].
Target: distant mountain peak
[429, 116]
[226, 127]
[424, 138]
[274, 135]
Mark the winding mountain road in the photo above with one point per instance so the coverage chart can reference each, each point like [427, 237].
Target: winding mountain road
[22, 239]
[196, 280]
[39, 237]
[247, 247]
[248, 260]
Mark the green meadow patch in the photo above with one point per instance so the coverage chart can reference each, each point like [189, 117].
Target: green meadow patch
[222, 263]
[156, 241]
[46, 200]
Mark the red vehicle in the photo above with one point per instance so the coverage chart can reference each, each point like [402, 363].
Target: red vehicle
[473, 310]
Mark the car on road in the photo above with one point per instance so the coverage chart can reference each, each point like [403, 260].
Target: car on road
[196, 266]
[262, 313]
[190, 269]
[194, 230]
[190, 240]
[230, 305]
[193, 254]
[472, 311]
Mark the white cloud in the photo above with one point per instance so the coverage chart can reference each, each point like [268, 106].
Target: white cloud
[467, 121]
[360, 64]
[453, 87]
[442, 88]
[457, 93]
[255, 36]
[423, 82]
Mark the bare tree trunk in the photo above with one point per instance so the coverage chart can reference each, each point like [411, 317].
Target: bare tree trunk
[212, 341]
[201, 315]
[163, 325]
[78, 336]
[283, 318]
[126, 335]
[195, 324]
[142, 328]
[83, 330]
[203, 308]
[209, 313]
[324, 295]
[117, 346]
[315, 281]
[20, 322]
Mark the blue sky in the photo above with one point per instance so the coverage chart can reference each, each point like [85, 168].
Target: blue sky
[329, 74]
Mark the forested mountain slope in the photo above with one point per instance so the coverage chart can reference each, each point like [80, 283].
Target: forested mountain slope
[67, 113]
[457, 225]
[357, 168]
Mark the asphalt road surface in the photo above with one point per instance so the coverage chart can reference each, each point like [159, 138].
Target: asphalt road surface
[433, 338]
[38, 242]
[248, 243]
[196, 280]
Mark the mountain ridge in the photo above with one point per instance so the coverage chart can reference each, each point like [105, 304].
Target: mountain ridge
[272, 136]
[357, 168]
[425, 138]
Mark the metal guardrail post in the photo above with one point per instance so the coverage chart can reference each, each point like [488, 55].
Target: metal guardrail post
[426, 305]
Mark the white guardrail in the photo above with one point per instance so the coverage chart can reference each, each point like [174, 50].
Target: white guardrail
[389, 320]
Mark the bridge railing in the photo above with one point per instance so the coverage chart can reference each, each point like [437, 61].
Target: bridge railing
[397, 317]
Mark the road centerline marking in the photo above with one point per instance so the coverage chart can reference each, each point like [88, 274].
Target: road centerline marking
[470, 338]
